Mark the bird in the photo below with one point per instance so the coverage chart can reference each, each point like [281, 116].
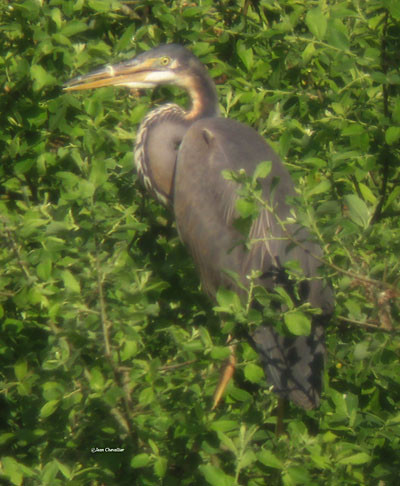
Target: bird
[181, 156]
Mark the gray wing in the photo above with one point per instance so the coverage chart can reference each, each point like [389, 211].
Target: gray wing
[204, 205]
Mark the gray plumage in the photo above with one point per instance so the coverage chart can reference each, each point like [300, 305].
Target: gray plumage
[204, 209]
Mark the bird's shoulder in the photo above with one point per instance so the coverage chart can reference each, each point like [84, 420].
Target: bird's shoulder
[227, 144]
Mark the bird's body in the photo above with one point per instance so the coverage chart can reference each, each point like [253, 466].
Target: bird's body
[180, 156]
[204, 207]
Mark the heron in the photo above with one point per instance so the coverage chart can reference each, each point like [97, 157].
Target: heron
[180, 157]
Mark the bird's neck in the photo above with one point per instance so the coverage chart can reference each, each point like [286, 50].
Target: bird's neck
[203, 96]
[156, 150]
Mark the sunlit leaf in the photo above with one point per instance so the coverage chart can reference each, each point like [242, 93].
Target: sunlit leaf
[320, 188]
[253, 373]
[358, 210]
[297, 323]
[269, 459]
[140, 460]
[49, 408]
[392, 135]
[216, 476]
[262, 170]
[245, 54]
[316, 22]
[70, 282]
[20, 370]
[356, 459]
[41, 77]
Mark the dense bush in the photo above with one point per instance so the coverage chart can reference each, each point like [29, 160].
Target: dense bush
[106, 339]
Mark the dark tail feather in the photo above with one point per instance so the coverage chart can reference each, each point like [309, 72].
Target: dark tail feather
[294, 365]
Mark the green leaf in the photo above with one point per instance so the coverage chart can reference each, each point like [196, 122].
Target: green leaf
[70, 281]
[129, 350]
[154, 447]
[367, 194]
[12, 470]
[220, 352]
[215, 476]
[49, 473]
[395, 420]
[64, 469]
[21, 369]
[146, 396]
[358, 210]
[316, 22]
[392, 135]
[393, 196]
[44, 268]
[96, 379]
[228, 443]
[141, 460]
[287, 300]
[41, 78]
[223, 425]
[49, 408]
[247, 458]
[321, 187]
[73, 27]
[337, 34]
[262, 170]
[246, 208]
[245, 54]
[240, 395]
[361, 351]
[126, 38]
[228, 300]
[100, 5]
[160, 466]
[297, 323]
[253, 373]
[308, 52]
[353, 129]
[394, 8]
[269, 459]
[98, 173]
[4, 438]
[298, 475]
[356, 459]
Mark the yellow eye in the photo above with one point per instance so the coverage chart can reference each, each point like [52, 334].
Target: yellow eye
[164, 61]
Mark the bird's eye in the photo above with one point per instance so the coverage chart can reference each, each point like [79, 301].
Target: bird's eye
[164, 61]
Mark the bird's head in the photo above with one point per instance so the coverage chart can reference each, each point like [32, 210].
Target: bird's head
[166, 64]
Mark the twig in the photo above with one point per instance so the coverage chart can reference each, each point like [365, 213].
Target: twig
[120, 377]
[176, 366]
[367, 325]
[103, 315]
[385, 155]
[16, 250]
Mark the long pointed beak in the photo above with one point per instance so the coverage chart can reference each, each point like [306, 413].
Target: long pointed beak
[131, 74]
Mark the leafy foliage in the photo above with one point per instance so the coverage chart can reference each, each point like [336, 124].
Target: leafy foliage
[106, 339]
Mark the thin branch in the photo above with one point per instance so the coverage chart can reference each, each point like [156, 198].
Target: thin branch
[176, 366]
[385, 153]
[367, 325]
[16, 250]
[103, 315]
[121, 378]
